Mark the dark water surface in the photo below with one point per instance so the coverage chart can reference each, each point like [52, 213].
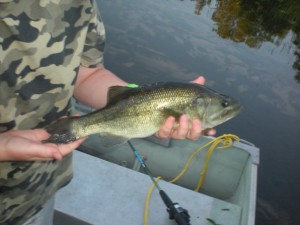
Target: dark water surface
[246, 49]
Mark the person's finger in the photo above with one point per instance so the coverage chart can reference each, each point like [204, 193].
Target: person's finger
[182, 130]
[46, 154]
[43, 151]
[35, 134]
[50, 151]
[67, 148]
[166, 129]
[209, 132]
[53, 151]
[73, 115]
[196, 130]
[40, 134]
[20, 148]
[199, 80]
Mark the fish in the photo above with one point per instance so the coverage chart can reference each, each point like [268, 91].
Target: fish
[139, 112]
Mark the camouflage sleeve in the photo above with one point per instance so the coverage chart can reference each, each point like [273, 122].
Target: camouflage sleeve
[92, 55]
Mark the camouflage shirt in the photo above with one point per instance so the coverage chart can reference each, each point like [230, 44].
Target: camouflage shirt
[42, 45]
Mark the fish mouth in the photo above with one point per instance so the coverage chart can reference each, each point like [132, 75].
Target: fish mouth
[227, 114]
[233, 110]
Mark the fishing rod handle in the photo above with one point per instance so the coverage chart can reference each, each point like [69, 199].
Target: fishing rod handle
[176, 212]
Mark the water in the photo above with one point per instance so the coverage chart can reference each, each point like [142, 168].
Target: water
[245, 49]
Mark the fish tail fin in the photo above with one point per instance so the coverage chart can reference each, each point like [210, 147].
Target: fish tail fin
[60, 132]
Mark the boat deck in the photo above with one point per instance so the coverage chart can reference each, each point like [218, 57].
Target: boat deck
[105, 193]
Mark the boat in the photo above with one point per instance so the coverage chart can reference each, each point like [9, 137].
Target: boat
[110, 185]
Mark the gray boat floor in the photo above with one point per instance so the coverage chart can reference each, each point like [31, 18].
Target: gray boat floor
[105, 193]
[65, 219]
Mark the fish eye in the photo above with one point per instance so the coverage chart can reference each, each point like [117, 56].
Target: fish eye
[225, 103]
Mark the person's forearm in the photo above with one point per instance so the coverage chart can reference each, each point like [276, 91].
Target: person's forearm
[92, 85]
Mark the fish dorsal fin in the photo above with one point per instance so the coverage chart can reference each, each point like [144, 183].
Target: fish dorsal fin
[116, 93]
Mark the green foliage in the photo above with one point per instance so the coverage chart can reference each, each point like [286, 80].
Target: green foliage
[254, 22]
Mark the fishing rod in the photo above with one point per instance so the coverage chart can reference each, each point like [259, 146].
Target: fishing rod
[176, 212]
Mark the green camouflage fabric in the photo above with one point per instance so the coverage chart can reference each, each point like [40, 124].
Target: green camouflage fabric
[43, 43]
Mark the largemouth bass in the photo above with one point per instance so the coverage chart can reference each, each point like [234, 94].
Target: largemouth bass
[140, 112]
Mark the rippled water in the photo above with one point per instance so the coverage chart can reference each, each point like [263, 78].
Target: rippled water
[247, 49]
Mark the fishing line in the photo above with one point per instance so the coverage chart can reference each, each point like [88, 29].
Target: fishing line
[145, 167]
[176, 212]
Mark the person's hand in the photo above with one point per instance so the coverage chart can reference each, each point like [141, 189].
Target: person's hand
[184, 131]
[26, 145]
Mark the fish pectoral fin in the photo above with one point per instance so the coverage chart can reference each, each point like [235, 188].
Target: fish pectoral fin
[171, 112]
[109, 140]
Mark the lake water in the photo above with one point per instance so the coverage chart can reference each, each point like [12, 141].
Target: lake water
[246, 49]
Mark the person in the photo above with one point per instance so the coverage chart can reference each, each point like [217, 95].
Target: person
[50, 51]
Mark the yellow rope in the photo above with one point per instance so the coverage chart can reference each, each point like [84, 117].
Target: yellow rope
[221, 142]
[146, 206]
